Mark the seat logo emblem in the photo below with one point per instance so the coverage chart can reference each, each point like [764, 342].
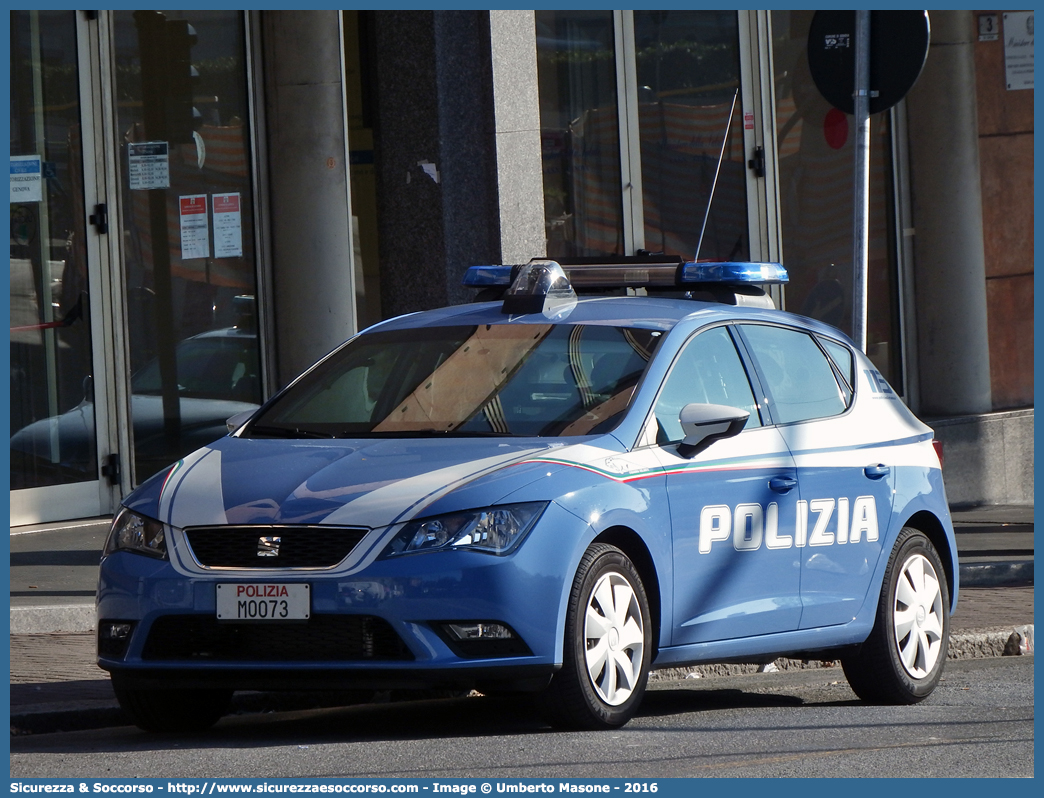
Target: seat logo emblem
[268, 546]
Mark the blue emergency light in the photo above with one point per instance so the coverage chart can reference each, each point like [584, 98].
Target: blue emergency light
[733, 273]
[638, 272]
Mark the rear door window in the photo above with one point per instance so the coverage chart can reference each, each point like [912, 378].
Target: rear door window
[797, 375]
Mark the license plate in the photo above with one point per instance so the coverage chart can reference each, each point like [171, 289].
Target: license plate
[263, 602]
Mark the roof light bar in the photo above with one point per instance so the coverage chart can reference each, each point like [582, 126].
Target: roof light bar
[639, 273]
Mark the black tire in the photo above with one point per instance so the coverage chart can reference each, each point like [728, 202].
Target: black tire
[181, 710]
[903, 658]
[576, 697]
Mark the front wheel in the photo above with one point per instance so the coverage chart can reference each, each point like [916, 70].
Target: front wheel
[607, 645]
[902, 660]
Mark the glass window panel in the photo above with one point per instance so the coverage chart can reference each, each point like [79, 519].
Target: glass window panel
[708, 371]
[52, 420]
[816, 174]
[798, 377]
[688, 74]
[192, 332]
[579, 133]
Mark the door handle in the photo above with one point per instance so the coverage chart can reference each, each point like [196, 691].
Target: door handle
[782, 484]
[100, 219]
[876, 471]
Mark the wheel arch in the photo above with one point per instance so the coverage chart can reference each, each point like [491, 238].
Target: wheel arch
[631, 544]
[929, 524]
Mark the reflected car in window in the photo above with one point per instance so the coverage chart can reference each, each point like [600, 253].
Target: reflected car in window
[544, 493]
[218, 376]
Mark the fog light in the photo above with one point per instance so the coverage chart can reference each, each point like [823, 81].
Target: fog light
[113, 638]
[480, 631]
[481, 639]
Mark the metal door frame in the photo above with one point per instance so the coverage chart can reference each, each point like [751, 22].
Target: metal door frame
[756, 97]
[96, 497]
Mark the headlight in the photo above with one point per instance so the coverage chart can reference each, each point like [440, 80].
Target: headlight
[494, 530]
[133, 532]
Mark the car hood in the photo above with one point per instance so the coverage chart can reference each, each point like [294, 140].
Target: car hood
[368, 483]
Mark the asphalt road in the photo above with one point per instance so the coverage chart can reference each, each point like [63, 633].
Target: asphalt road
[806, 723]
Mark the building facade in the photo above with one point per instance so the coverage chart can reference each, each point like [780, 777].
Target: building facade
[205, 202]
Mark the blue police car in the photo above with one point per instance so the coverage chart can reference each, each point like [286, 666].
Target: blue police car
[549, 491]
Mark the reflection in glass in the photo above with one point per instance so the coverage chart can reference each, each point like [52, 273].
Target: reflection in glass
[688, 75]
[579, 133]
[187, 223]
[512, 380]
[708, 371]
[50, 337]
[815, 186]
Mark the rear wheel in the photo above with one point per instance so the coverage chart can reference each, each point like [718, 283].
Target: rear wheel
[607, 645]
[181, 710]
[902, 660]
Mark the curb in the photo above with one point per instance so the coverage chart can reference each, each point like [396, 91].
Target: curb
[977, 644]
[50, 619]
[1011, 573]
[99, 714]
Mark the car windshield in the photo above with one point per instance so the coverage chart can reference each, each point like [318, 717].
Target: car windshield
[510, 379]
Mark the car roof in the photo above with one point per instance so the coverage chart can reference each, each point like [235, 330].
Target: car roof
[653, 313]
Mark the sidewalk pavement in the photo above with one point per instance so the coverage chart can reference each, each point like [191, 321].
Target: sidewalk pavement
[56, 685]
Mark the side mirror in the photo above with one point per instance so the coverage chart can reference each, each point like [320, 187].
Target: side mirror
[238, 420]
[703, 424]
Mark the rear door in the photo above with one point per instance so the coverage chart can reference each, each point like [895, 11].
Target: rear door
[845, 475]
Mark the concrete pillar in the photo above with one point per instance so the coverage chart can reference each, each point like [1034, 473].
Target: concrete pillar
[312, 283]
[434, 155]
[950, 271]
[516, 102]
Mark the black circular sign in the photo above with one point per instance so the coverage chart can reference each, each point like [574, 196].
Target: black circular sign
[898, 50]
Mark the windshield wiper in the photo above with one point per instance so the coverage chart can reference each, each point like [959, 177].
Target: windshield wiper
[424, 433]
[289, 432]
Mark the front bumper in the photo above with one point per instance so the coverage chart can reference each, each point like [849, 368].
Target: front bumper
[407, 597]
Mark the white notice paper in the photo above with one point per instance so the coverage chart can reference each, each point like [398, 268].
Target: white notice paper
[228, 228]
[26, 178]
[148, 165]
[195, 235]
[1018, 49]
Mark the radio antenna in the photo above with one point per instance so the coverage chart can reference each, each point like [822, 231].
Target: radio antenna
[717, 171]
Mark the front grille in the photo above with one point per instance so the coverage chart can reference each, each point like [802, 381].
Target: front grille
[322, 638]
[285, 546]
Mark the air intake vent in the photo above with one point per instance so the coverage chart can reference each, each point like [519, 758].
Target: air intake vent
[323, 638]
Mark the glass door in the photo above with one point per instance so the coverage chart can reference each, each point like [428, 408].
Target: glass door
[687, 67]
[60, 419]
[188, 273]
[816, 149]
[648, 133]
[134, 332]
